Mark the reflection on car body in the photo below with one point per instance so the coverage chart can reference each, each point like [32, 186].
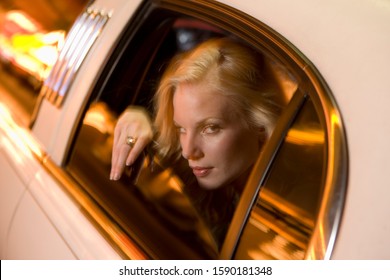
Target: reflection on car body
[27, 48]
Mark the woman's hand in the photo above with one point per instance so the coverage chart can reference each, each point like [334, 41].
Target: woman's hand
[133, 132]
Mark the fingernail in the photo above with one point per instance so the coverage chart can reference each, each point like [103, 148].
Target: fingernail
[114, 177]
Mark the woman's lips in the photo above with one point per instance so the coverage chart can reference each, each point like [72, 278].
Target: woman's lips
[201, 171]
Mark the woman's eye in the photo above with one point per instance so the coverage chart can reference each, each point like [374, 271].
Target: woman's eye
[180, 130]
[209, 129]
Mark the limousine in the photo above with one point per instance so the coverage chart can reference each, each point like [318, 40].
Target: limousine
[319, 189]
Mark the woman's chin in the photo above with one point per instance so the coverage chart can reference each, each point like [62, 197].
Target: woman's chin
[208, 185]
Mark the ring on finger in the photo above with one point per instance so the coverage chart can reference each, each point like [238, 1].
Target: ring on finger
[130, 140]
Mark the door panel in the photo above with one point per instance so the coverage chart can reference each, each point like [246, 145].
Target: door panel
[34, 238]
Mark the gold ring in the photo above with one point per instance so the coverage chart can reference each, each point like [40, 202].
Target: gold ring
[130, 140]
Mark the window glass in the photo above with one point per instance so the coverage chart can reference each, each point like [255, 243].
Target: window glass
[31, 35]
[284, 215]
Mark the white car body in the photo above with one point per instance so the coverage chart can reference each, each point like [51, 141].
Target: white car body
[346, 40]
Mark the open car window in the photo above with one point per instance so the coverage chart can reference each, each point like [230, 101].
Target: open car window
[155, 206]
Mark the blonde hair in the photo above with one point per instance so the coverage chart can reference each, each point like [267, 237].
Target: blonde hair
[234, 70]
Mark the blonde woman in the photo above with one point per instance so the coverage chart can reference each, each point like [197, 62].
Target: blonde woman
[220, 75]
[215, 108]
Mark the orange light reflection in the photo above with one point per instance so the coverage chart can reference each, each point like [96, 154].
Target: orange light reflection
[19, 140]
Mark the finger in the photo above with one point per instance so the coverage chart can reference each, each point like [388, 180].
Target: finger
[115, 171]
[115, 152]
[119, 134]
[119, 159]
[139, 146]
[120, 151]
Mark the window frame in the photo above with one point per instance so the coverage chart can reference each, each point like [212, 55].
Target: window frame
[264, 39]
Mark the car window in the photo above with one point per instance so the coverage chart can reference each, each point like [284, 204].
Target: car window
[160, 200]
[153, 205]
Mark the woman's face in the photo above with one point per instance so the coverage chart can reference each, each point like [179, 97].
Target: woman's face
[219, 148]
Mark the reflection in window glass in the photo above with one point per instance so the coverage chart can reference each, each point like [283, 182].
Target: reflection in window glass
[283, 218]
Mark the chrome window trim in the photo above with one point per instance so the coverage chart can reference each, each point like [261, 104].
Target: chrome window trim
[85, 31]
[335, 186]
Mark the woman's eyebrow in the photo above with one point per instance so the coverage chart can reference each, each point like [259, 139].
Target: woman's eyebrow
[200, 123]
[207, 121]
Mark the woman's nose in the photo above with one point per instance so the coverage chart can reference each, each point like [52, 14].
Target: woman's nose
[191, 148]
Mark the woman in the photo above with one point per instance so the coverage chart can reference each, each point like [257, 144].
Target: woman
[215, 108]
